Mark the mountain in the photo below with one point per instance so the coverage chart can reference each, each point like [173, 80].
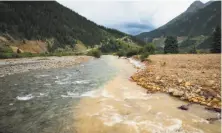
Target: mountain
[195, 6]
[198, 19]
[49, 21]
[208, 3]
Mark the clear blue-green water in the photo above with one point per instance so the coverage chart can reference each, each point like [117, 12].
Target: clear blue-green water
[43, 100]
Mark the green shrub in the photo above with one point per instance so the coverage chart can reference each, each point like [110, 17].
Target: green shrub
[94, 52]
[26, 54]
[79, 53]
[5, 49]
[144, 56]
[44, 54]
[9, 55]
[150, 48]
[193, 50]
[5, 55]
[131, 52]
[114, 54]
[140, 50]
[121, 53]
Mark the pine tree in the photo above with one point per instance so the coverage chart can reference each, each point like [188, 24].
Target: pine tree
[216, 44]
[193, 50]
[171, 45]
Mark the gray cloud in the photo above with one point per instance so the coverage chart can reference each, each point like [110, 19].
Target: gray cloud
[133, 28]
[137, 15]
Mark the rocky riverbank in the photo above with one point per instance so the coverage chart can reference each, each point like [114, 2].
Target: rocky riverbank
[194, 78]
[12, 66]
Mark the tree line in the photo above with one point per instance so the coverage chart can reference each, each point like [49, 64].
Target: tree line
[171, 44]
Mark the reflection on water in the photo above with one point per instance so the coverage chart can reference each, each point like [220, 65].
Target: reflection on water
[42, 100]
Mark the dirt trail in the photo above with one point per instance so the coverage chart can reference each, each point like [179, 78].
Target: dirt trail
[121, 106]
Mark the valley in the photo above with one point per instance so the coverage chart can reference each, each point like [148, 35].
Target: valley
[95, 96]
[64, 70]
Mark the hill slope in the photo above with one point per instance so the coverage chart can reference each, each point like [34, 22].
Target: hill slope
[51, 21]
[197, 20]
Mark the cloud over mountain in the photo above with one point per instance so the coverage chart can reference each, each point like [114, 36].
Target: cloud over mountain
[144, 15]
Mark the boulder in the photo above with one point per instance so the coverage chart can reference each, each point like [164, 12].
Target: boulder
[209, 104]
[178, 93]
[183, 98]
[183, 107]
[198, 91]
[195, 100]
[213, 119]
[19, 51]
[215, 100]
[218, 110]
[170, 91]
[203, 103]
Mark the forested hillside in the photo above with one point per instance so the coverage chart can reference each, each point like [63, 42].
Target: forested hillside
[50, 20]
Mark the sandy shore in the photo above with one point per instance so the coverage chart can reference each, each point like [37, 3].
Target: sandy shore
[12, 66]
[194, 78]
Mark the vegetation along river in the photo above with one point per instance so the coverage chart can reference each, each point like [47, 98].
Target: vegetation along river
[93, 97]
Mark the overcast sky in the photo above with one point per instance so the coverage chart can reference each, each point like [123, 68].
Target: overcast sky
[129, 16]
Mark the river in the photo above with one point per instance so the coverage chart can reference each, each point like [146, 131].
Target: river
[93, 97]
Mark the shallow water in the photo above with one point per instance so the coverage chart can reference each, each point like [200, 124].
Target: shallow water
[43, 100]
[94, 97]
[121, 106]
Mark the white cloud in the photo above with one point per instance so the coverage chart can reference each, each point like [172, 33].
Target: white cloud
[110, 13]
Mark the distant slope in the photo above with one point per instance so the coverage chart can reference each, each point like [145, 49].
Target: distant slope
[194, 22]
[24, 20]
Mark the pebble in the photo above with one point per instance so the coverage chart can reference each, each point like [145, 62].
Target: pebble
[179, 88]
[214, 75]
[178, 93]
[209, 83]
[198, 90]
[187, 83]
[24, 65]
[179, 80]
[158, 78]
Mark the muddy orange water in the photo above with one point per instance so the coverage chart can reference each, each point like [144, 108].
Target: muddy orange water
[121, 106]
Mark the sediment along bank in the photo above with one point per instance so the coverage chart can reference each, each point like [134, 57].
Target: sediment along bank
[122, 106]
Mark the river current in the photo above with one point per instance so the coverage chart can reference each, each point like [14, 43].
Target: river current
[43, 100]
[93, 97]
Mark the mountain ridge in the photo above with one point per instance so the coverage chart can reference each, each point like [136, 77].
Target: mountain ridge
[24, 20]
[196, 5]
[188, 21]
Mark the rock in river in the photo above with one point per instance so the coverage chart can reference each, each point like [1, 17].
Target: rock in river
[178, 93]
